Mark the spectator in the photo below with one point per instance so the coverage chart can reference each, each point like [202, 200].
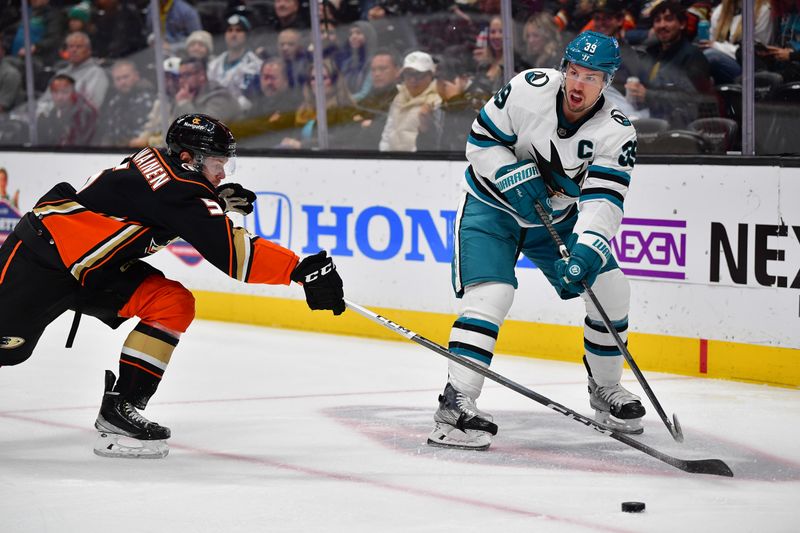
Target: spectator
[13, 201]
[236, 69]
[293, 53]
[331, 49]
[198, 94]
[79, 18]
[416, 96]
[784, 57]
[200, 45]
[373, 109]
[361, 45]
[287, 14]
[178, 20]
[675, 78]
[573, 15]
[273, 110]
[394, 32]
[462, 99]
[47, 25]
[608, 18]
[125, 114]
[726, 34]
[488, 54]
[119, 29]
[89, 77]
[542, 43]
[340, 111]
[152, 133]
[72, 119]
[11, 92]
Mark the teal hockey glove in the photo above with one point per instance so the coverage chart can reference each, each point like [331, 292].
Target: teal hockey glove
[522, 185]
[588, 254]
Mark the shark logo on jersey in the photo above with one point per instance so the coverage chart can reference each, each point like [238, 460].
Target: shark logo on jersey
[562, 180]
[620, 117]
[537, 78]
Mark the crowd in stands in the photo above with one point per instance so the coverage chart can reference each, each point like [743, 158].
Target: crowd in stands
[398, 75]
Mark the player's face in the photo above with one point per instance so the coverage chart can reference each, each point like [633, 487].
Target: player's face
[217, 168]
[582, 88]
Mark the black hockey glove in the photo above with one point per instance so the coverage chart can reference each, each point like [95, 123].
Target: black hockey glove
[236, 198]
[321, 283]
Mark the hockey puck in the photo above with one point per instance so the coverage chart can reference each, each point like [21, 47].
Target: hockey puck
[632, 507]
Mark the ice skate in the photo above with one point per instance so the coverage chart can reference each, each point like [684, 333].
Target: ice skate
[460, 424]
[124, 432]
[616, 408]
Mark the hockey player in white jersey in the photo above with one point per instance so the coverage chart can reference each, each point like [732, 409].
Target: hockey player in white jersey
[548, 136]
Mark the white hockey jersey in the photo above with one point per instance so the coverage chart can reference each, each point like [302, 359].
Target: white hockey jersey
[586, 166]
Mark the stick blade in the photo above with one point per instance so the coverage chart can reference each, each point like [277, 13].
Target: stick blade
[714, 467]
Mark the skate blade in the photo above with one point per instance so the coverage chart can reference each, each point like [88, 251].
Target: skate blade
[120, 446]
[630, 427]
[445, 436]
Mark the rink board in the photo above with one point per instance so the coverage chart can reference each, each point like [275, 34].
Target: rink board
[712, 254]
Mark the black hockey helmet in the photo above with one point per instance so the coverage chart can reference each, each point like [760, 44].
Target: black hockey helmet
[202, 136]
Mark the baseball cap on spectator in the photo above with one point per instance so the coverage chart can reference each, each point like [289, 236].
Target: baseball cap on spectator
[612, 7]
[419, 61]
[239, 20]
[172, 65]
[202, 37]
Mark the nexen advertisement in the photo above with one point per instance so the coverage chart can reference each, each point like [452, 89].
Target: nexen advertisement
[711, 252]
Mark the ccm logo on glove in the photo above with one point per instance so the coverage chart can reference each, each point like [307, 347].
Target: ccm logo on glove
[321, 283]
[235, 198]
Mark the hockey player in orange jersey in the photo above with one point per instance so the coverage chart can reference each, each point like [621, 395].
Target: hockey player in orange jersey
[82, 250]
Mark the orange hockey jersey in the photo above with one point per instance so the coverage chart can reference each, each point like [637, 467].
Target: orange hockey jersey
[139, 207]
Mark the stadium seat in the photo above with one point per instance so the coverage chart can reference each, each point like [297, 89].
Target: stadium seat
[647, 130]
[719, 133]
[765, 83]
[680, 142]
[13, 132]
[787, 92]
[730, 101]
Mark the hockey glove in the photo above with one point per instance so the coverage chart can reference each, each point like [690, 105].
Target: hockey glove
[321, 283]
[588, 254]
[236, 198]
[522, 186]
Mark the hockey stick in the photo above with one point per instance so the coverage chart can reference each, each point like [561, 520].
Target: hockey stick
[674, 430]
[714, 467]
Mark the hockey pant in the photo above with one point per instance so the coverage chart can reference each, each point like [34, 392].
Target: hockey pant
[487, 248]
[35, 292]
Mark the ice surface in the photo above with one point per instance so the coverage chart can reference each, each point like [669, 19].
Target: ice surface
[276, 430]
